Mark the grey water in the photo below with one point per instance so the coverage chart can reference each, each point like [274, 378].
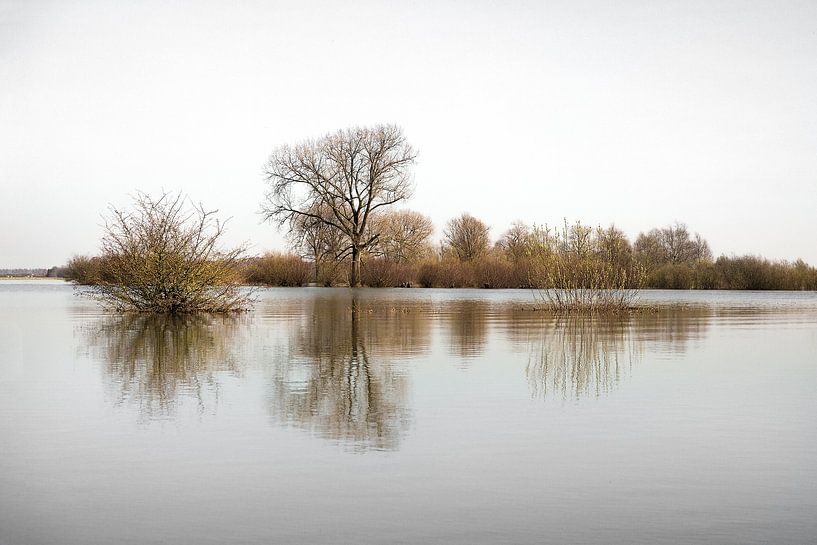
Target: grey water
[408, 416]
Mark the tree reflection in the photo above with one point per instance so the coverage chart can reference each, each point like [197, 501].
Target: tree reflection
[156, 361]
[330, 382]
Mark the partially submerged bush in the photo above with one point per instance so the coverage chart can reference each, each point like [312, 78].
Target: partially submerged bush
[573, 284]
[164, 257]
[580, 275]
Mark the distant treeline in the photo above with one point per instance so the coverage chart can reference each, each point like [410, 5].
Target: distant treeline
[524, 256]
[53, 272]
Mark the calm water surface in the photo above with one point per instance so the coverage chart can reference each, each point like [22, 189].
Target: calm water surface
[408, 416]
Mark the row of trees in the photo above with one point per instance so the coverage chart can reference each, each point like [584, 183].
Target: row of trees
[161, 265]
[405, 253]
[336, 194]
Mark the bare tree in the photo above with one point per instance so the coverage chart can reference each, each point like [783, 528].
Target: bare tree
[612, 246]
[164, 257]
[700, 249]
[467, 237]
[317, 241]
[671, 244]
[349, 174]
[403, 235]
[515, 242]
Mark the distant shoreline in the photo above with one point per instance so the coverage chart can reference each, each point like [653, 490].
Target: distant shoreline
[32, 278]
[413, 287]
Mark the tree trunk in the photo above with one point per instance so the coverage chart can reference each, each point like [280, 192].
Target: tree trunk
[355, 279]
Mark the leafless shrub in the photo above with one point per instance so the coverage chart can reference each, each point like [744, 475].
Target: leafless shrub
[447, 272]
[588, 285]
[165, 257]
[493, 271]
[277, 269]
[383, 273]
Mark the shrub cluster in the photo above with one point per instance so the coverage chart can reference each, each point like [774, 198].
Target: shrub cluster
[88, 270]
[735, 273]
[276, 269]
[163, 256]
[575, 257]
[496, 271]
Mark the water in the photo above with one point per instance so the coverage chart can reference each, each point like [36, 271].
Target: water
[408, 416]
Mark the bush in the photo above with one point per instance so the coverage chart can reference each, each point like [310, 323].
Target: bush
[446, 273]
[86, 270]
[569, 283]
[673, 276]
[163, 258]
[755, 273]
[276, 269]
[383, 273]
[495, 272]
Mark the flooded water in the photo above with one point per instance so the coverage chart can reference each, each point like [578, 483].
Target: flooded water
[408, 416]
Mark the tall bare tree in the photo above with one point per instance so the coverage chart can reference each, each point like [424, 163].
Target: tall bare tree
[340, 180]
[467, 237]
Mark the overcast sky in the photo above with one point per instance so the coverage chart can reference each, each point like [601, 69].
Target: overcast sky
[638, 113]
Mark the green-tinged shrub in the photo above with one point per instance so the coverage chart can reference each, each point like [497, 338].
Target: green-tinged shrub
[673, 276]
[87, 270]
[570, 283]
[756, 273]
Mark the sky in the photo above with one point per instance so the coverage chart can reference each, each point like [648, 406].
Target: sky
[634, 113]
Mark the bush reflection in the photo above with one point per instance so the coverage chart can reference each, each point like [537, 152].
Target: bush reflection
[158, 361]
[579, 355]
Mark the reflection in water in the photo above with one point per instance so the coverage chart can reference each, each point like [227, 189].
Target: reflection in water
[467, 325]
[575, 356]
[155, 361]
[672, 330]
[337, 380]
[581, 355]
[340, 362]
